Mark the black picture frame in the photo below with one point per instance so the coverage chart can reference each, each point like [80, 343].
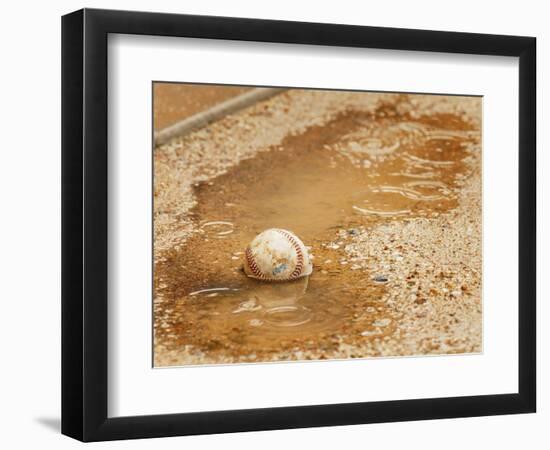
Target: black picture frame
[84, 224]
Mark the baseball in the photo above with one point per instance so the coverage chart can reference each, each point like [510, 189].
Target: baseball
[277, 255]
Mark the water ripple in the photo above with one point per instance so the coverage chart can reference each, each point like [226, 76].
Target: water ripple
[218, 228]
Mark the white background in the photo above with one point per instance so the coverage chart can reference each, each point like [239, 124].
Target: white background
[30, 180]
[138, 390]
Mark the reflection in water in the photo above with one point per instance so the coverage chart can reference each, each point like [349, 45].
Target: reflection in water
[273, 307]
[280, 304]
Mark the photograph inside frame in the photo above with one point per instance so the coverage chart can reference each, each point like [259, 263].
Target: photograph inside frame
[306, 224]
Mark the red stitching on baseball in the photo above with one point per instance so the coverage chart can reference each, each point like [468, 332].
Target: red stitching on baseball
[251, 262]
[299, 255]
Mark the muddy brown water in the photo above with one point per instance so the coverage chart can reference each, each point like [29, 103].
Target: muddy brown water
[360, 169]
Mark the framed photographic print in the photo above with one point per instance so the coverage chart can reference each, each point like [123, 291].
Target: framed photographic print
[274, 224]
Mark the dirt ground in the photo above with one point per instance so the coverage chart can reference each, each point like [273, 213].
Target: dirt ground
[385, 189]
[176, 101]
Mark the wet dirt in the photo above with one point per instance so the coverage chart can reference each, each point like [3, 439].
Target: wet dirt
[358, 170]
[177, 101]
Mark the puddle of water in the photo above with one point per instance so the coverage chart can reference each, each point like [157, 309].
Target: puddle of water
[358, 169]
[264, 319]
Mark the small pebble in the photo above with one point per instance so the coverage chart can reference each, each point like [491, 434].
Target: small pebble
[249, 305]
[255, 322]
[381, 322]
[370, 333]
